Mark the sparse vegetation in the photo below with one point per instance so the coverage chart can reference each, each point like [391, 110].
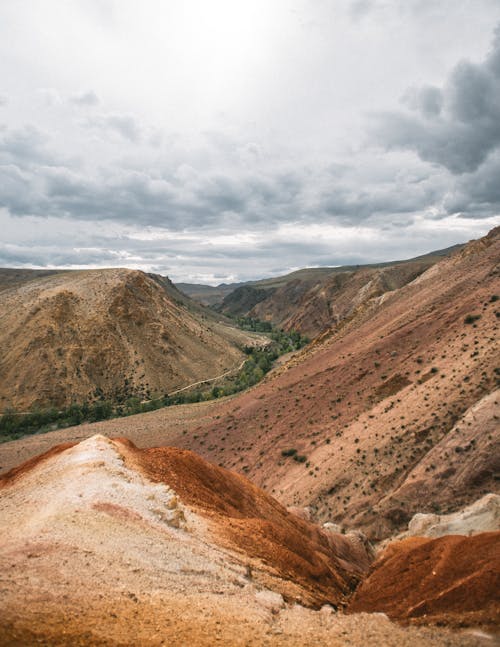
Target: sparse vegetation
[259, 362]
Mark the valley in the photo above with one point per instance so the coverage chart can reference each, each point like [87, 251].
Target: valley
[391, 411]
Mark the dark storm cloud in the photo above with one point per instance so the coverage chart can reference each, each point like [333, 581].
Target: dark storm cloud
[380, 200]
[428, 100]
[204, 200]
[477, 195]
[456, 127]
[35, 182]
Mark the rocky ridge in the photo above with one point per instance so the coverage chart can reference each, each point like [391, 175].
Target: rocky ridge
[103, 543]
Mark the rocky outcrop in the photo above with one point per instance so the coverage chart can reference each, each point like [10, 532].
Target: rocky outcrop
[481, 516]
[97, 527]
[107, 482]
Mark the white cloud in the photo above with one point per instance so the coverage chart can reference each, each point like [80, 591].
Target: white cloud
[228, 139]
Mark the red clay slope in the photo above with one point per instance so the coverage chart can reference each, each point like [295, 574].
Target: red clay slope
[322, 567]
[325, 565]
[452, 580]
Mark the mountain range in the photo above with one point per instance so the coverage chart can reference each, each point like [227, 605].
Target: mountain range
[356, 478]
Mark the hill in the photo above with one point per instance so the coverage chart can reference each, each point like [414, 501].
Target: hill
[391, 413]
[312, 299]
[104, 334]
[104, 543]
[207, 295]
[399, 399]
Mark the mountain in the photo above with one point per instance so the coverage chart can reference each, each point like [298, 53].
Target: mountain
[71, 336]
[103, 543]
[398, 400]
[313, 299]
[207, 295]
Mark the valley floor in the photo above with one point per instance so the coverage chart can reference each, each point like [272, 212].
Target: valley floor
[154, 429]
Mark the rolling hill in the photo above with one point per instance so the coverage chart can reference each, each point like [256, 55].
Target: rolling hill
[313, 299]
[104, 334]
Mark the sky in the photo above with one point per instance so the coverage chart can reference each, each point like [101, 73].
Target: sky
[227, 140]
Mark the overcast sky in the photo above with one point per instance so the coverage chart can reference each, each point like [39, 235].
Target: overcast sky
[224, 140]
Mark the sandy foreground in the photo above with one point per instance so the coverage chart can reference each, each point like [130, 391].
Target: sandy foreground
[94, 553]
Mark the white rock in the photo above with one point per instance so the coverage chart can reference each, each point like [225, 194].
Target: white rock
[332, 527]
[270, 600]
[481, 516]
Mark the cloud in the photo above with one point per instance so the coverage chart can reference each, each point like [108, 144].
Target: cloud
[85, 99]
[477, 195]
[51, 97]
[240, 193]
[428, 100]
[25, 145]
[49, 242]
[122, 124]
[457, 126]
[3, 100]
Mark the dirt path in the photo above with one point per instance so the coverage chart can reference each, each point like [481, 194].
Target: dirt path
[211, 379]
[184, 388]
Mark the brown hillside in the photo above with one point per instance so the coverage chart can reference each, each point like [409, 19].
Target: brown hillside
[396, 410]
[106, 544]
[102, 524]
[75, 336]
[311, 306]
[313, 299]
[449, 580]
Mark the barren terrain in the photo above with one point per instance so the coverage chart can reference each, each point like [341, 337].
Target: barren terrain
[395, 410]
[118, 546]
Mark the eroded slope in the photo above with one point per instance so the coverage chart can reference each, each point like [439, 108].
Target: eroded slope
[105, 544]
[394, 409]
[76, 336]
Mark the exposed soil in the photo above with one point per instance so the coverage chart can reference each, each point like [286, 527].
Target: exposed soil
[93, 551]
[451, 580]
[395, 410]
[327, 566]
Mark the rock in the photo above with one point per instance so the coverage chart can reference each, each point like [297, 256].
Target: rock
[333, 527]
[327, 610]
[270, 600]
[421, 522]
[481, 516]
